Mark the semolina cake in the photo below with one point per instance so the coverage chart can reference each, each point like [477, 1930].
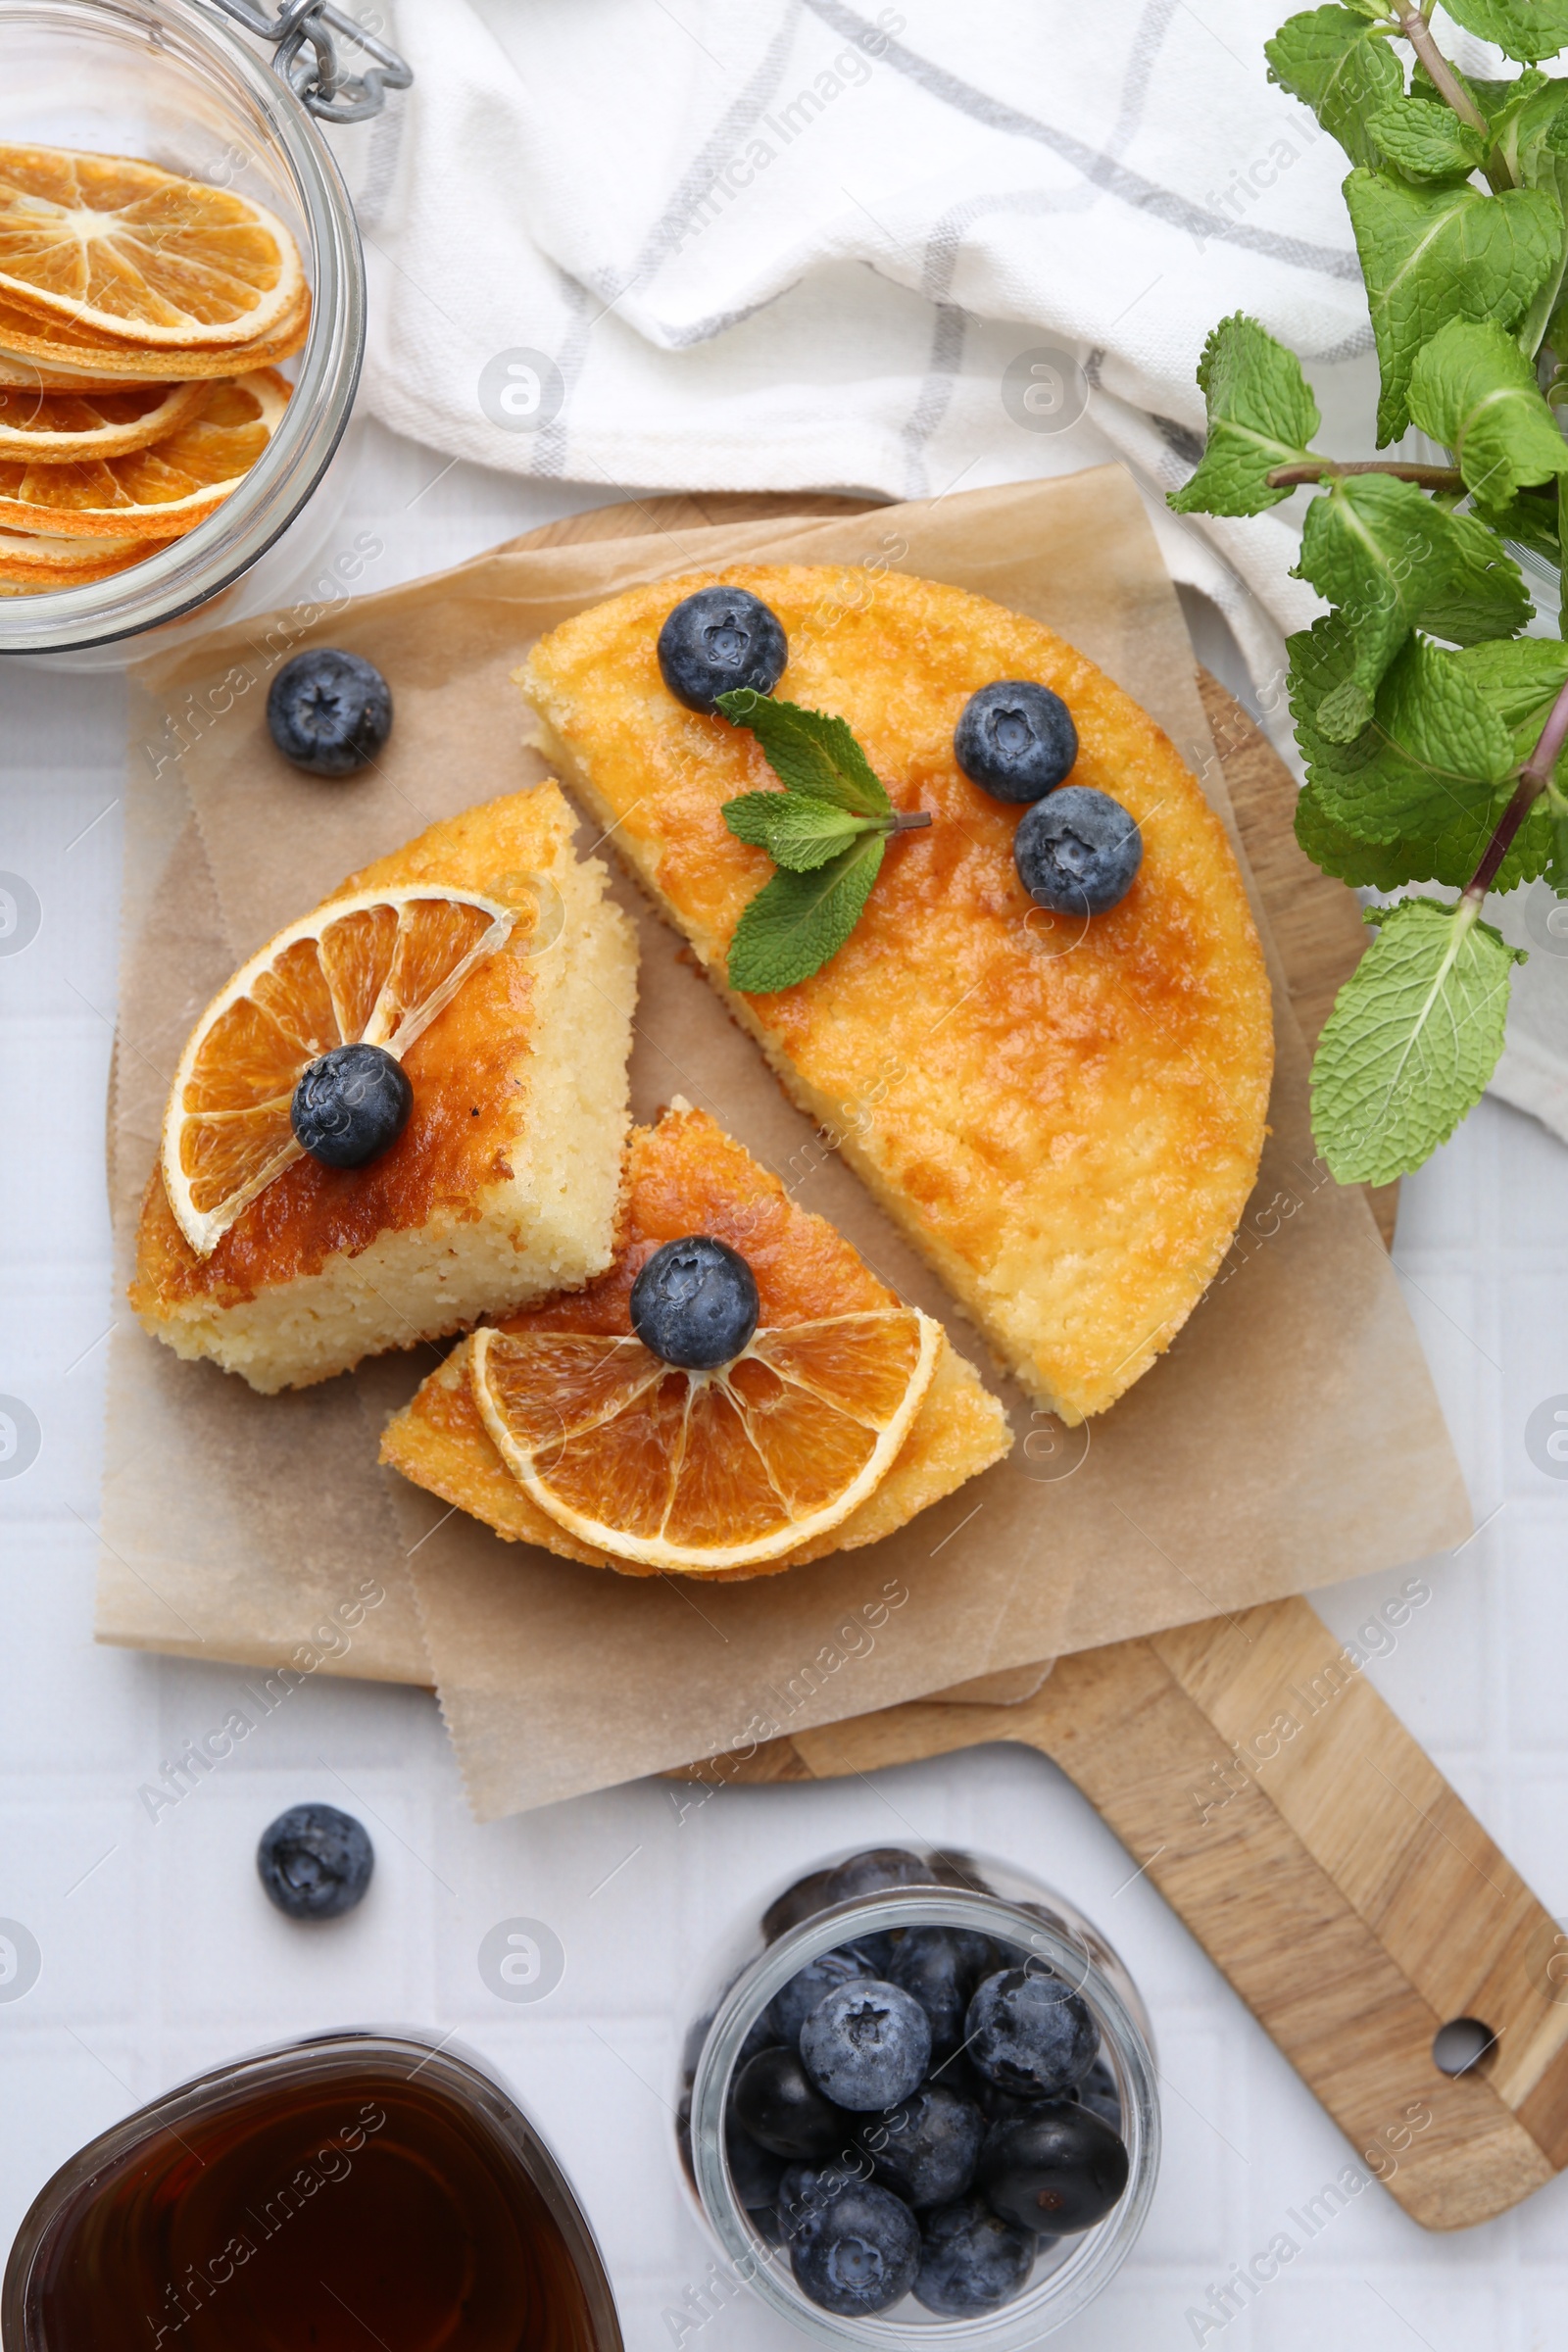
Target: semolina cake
[1064, 1116]
[488, 956]
[683, 1177]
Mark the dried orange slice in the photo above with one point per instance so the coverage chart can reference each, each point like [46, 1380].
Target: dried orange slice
[377, 967]
[59, 428]
[158, 491]
[117, 245]
[704, 1471]
[36, 560]
[57, 354]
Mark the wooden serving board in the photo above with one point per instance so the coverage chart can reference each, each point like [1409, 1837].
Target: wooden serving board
[1332, 1874]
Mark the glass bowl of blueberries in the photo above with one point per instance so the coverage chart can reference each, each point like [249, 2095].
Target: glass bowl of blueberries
[923, 2104]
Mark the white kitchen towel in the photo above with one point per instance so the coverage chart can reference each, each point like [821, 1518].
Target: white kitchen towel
[780, 244]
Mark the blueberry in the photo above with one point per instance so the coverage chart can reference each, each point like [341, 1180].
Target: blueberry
[351, 1106]
[695, 1303]
[1005, 2106]
[872, 1872]
[971, 2261]
[951, 1866]
[1030, 2034]
[794, 2004]
[1078, 851]
[754, 2169]
[1097, 2092]
[330, 712]
[1059, 2170]
[925, 2150]
[760, 2035]
[957, 2074]
[939, 1966]
[805, 2188]
[765, 2222]
[804, 1900]
[314, 1862]
[866, 2046]
[858, 2253]
[1015, 739]
[777, 2103]
[719, 639]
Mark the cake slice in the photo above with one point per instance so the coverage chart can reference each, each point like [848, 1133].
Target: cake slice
[686, 1177]
[487, 960]
[1064, 1116]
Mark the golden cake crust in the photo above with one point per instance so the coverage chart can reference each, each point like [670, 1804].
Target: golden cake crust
[687, 1176]
[1065, 1117]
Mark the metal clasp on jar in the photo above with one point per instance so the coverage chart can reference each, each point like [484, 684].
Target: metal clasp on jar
[315, 79]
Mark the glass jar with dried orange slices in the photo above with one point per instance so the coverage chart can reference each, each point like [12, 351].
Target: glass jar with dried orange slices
[181, 317]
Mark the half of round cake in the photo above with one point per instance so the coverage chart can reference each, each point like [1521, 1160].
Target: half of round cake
[1065, 1115]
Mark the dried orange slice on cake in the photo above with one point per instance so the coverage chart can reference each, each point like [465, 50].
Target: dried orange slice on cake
[55, 428]
[704, 1470]
[127, 250]
[376, 969]
[841, 1413]
[157, 492]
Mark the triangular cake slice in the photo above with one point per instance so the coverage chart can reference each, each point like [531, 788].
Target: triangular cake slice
[502, 1184]
[1065, 1117]
[685, 1176]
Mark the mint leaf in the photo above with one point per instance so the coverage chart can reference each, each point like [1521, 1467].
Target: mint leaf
[1260, 414]
[1531, 521]
[1500, 102]
[1443, 736]
[1520, 681]
[797, 832]
[1555, 865]
[1483, 594]
[1412, 1040]
[1376, 547]
[1473, 389]
[1342, 66]
[797, 921]
[1364, 864]
[1428, 255]
[1393, 561]
[1527, 29]
[810, 751]
[1449, 854]
[1435, 753]
[1425, 141]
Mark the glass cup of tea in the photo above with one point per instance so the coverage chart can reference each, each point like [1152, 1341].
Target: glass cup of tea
[355, 2189]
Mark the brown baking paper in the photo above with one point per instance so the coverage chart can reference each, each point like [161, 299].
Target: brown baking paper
[1289, 1438]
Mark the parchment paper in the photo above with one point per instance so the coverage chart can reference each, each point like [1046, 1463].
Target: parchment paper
[1291, 1436]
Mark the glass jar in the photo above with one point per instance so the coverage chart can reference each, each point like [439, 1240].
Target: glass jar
[164, 81]
[351, 2188]
[999, 1901]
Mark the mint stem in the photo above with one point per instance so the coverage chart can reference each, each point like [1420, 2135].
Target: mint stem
[1534, 778]
[1418, 32]
[1334, 469]
[910, 820]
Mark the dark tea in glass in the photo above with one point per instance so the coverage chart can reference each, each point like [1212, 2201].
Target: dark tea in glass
[354, 2191]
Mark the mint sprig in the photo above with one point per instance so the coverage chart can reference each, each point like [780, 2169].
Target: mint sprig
[826, 832]
[1433, 730]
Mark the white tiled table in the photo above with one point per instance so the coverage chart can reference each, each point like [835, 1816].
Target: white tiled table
[161, 1955]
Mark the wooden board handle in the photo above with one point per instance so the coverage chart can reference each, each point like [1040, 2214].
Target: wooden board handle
[1328, 1870]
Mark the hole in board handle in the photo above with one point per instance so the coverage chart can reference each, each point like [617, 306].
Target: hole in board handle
[1459, 2046]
